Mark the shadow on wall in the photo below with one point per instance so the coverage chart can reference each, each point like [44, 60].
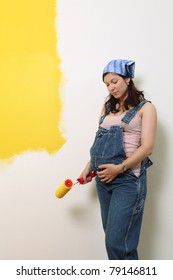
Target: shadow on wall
[155, 182]
[80, 212]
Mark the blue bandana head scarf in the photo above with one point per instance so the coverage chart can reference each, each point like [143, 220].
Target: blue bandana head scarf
[122, 67]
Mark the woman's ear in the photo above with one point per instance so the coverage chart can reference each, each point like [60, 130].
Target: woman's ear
[127, 80]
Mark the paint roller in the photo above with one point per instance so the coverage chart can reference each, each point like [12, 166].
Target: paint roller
[67, 185]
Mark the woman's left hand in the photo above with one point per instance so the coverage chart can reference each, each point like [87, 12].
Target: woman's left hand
[109, 172]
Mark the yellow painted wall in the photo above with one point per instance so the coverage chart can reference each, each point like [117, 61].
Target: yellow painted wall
[30, 104]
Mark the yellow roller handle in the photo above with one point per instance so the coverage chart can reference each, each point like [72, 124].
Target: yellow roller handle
[64, 188]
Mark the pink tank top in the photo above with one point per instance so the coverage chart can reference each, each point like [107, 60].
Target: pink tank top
[131, 134]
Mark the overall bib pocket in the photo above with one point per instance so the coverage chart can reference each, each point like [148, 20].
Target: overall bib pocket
[107, 147]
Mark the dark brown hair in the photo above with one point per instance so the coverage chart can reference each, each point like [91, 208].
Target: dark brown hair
[133, 99]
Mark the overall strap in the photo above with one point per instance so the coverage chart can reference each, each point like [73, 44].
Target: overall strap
[102, 119]
[131, 113]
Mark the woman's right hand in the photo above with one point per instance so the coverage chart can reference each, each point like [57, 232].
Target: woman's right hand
[85, 173]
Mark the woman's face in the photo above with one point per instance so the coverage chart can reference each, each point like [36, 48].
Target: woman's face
[117, 85]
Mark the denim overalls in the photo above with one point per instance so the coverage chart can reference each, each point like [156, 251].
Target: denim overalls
[121, 200]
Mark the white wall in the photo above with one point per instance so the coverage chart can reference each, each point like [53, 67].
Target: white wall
[35, 224]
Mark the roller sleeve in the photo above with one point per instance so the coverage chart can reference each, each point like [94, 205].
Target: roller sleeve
[64, 188]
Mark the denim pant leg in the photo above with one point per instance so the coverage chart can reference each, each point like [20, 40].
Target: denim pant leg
[122, 203]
